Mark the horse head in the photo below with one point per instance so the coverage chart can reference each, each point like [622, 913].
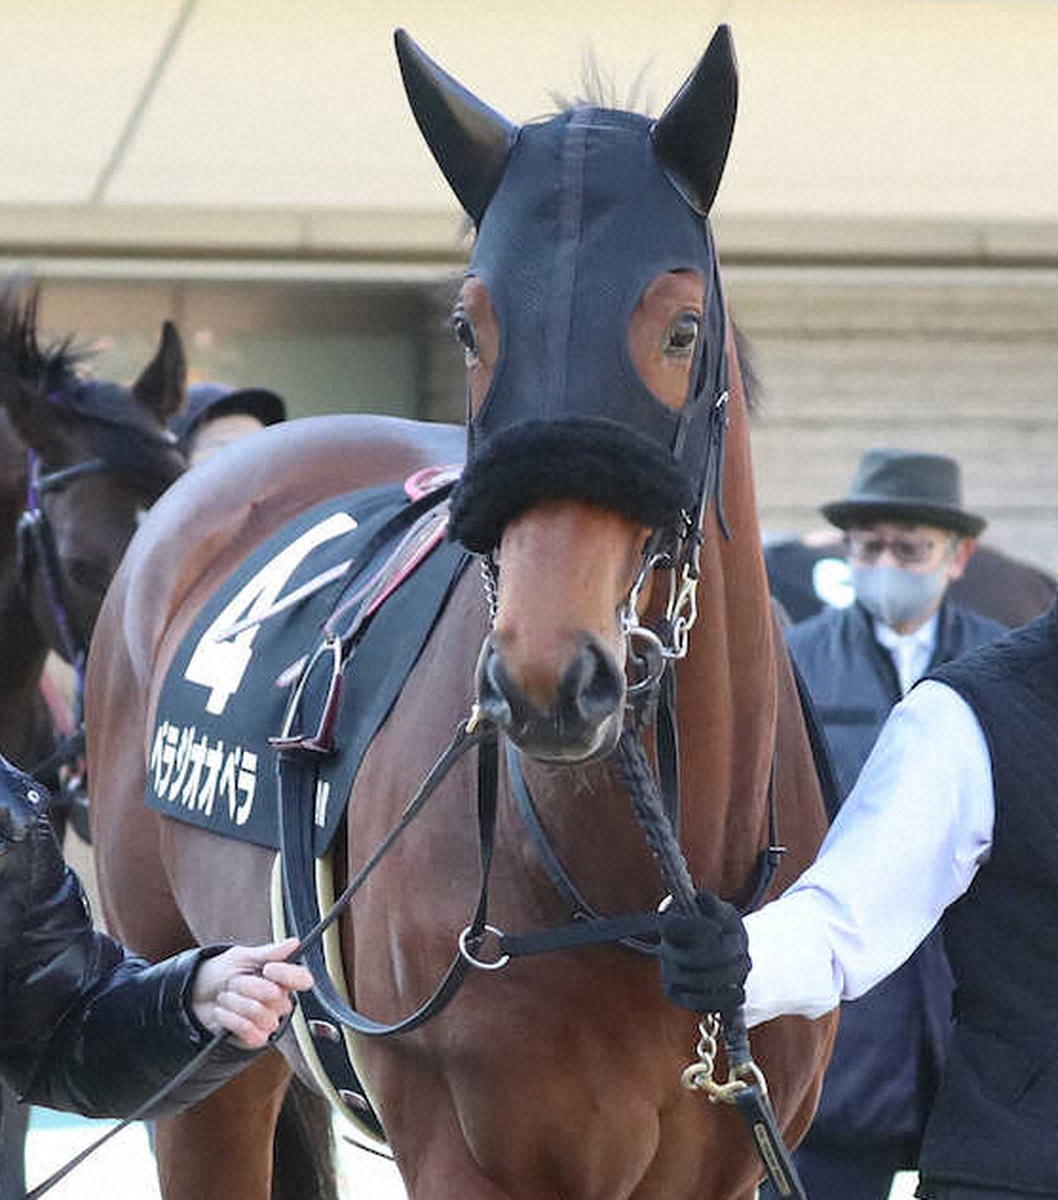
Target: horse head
[95, 456]
[593, 328]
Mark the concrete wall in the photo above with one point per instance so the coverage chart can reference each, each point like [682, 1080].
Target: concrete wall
[220, 127]
[962, 363]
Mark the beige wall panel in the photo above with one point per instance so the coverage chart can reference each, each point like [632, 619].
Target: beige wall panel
[932, 109]
[877, 109]
[989, 403]
[848, 107]
[71, 71]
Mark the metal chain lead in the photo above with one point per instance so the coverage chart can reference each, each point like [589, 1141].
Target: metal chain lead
[490, 582]
[698, 1076]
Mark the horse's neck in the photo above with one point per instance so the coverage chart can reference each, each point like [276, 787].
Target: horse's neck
[726, 693]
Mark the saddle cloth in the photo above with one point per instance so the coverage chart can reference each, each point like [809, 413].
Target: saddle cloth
[229, 684]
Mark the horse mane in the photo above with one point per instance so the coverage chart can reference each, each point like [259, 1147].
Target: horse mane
[598, 89]
[751, 384]
[52, 367]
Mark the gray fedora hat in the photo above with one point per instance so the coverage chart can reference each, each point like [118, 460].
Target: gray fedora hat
[903, 485]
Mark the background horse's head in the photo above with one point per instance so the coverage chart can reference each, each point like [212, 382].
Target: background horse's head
[91, 458]
[593, 326]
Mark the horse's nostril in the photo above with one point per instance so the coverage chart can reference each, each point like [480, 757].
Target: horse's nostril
[590, 695]
[492, 697]
[592, 687]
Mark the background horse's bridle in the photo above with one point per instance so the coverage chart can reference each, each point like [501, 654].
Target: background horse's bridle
[37, 551]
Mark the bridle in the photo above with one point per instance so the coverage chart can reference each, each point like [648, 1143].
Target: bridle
[651, 699]
[37, 550]
[36, 545]
[678, 551]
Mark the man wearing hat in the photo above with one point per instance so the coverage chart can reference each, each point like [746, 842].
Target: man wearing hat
[216, 414]
[907, 538]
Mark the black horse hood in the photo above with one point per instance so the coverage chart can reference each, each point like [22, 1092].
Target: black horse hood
[576, 216]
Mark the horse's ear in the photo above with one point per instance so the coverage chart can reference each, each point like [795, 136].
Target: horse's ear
[161, 386]
[692, 136]
[39, 424]
[470, 141]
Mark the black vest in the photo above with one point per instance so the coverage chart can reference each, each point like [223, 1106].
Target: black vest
[891, 1042]
[995, 1121]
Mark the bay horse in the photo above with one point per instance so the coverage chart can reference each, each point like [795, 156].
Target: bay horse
[87, 458]
[608, 455]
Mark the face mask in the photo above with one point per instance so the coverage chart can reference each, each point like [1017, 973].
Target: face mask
[896, 596]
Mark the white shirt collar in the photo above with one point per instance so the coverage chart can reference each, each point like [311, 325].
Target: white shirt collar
[910, 652]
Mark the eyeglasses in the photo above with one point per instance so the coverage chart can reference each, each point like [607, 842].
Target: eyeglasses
[908, 551]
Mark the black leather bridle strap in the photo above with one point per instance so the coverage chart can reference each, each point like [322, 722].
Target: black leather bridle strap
[635, 931]
[55, 481]
[588, 928]
[34, 529]
[297, 778]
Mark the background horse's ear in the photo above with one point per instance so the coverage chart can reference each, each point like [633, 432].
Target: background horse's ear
[470, 141]
[161, 386]
[25, 371]
[692, 136]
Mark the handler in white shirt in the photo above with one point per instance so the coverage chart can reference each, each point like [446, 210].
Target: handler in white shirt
[906, 843]
[954, 814]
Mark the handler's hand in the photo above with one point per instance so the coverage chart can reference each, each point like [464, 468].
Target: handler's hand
[246, 991]
[705, 958]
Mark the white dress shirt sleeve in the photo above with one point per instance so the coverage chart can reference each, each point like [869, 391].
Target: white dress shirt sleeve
[906, 843]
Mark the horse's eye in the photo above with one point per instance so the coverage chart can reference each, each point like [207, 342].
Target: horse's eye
[466, 336]
[682, 333]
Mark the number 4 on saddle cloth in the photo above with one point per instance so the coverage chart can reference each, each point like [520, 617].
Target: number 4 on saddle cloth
[376, 561]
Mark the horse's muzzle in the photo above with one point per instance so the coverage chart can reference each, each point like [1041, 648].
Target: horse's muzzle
[584, 721]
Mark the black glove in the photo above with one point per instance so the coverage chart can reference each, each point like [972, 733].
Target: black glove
[705, 958]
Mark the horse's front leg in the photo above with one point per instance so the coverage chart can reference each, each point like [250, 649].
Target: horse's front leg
[223, 1146]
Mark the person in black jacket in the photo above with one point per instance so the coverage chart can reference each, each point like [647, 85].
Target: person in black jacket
[907, 539]
[87, 1027]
